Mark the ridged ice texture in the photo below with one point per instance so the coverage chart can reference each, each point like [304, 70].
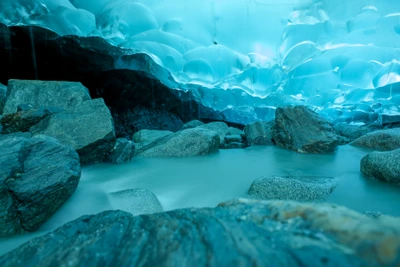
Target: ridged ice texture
[246, 57]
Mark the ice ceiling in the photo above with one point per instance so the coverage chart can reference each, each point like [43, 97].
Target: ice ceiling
[246, 57]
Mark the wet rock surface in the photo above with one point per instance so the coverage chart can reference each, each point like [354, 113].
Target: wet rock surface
[148, 136]
[37, 175]
[302, 188]
[123, 152]
[352, 132]
[259, 133]
[383, 140]
[221, 128]
[192, 124]
[384, 166]
[302, 130]
[236, 233]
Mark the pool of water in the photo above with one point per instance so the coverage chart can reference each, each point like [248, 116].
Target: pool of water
[209, 180]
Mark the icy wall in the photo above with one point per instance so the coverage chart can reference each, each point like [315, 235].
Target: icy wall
[246, 57]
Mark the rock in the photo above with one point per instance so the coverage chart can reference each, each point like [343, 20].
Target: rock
[3, 97]
[304, 131]
[148, 136]
[384, 166]
[186, 143]
[383, 140]
[303, 188]
[259, 133]
[234, 145]
[135, 201]
[88, 128]
[24, 119]
[233, 139]
[389, 120]
[235, 131]
[352, 132]
[236, 233]
[192, 124]
[37, 175]
[123, 152]
[373, 214]
[219, 127]
[66, 95]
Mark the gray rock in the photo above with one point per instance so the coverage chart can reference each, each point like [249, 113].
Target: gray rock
[192, 124]
[304, 131]
[352, 132]
[235, 131]
[233, 138]
[384, 166]
[37, 175]
[219, 127]
[234, 145]
[3, 97]
[123, 152]
[186, 143]
[259, 133]
[88, 128]
[389, 120]
[303, 188]
[383, 140]
[236, 233]
[148, 136]
[66, 95]
[24, 119]
[136, 201]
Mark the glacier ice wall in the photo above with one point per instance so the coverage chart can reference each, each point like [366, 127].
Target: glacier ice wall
[246, 57]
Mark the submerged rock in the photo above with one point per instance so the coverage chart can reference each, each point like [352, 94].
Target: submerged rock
[148, 136]
[259, 133]
[303, 188]
[88, 128]
[192, 124]
[186, 143]
[383, 140]
[37, 175]
[384, 166]
[236, 233]
[304, 131]
[66, 95]
[123, 152]
[136, 201]
[3, 97]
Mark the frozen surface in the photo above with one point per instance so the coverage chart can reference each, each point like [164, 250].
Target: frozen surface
[246, 57]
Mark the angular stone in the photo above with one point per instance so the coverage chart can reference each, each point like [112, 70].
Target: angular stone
[136, 201]
[303, 188]
[383, 140]
[88, 128]
[259, 133]
[236, 233]
[66, 95]
[384, 166]
[148, 136]
[304, 131]
[186, 143]
[352, 132]
[123, 152]
[37, 175]
[192, 124]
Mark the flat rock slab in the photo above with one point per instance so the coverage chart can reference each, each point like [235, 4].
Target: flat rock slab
[135, 201]
[384, 166]
[236, 233]
[186, 143]
[304, 131]
[66, 95]
[383, 140]
[303, 188]
[37, 175]
[88, 128]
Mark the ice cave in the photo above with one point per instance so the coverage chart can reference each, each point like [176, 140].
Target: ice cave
[200, 132]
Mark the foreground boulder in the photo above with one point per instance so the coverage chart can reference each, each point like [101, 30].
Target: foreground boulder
[304, 131]
[305, 188]
[135, 201]
[88, 128]
[123, 152]
[384, 166]
[259, 133]
[236, 233]
[186, 143]
[383, 140]
[37, 175]
[66, 95]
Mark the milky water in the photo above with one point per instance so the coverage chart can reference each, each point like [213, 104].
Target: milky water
[209, 180]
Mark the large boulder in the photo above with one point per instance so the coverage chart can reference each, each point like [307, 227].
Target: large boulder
[148, 136]
[383, 140]
[186, 143]
[236, 233]
[37, 175]
[219, 127]
[136, 201]
[303, 188]
[384, 166]
[3, 97]
[88, 128]
[304, 131]
[66, 95]
[259, 133]
[123, 152]
[192, 124]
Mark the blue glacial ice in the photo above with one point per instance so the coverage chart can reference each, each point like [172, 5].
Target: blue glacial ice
[247, 57]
